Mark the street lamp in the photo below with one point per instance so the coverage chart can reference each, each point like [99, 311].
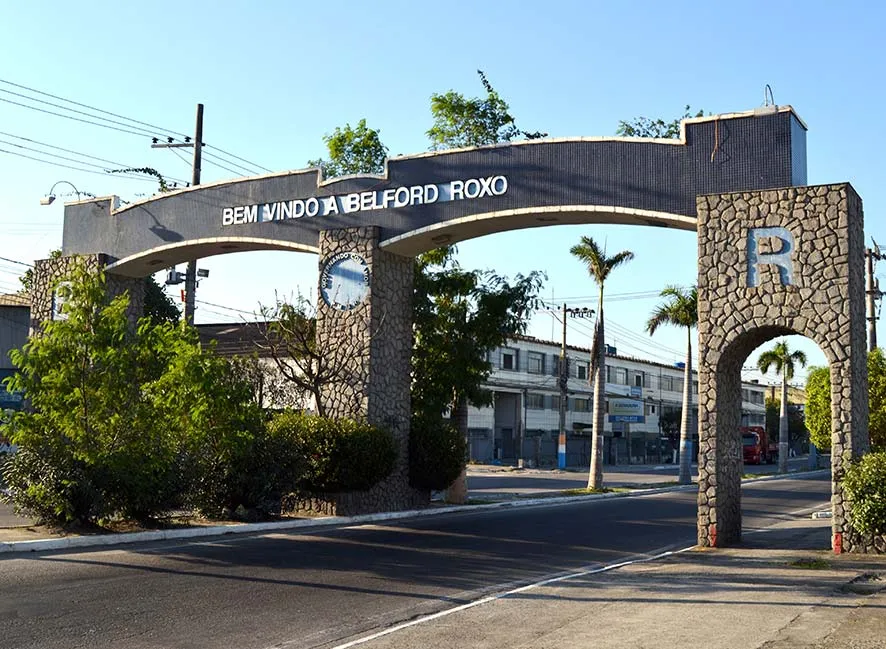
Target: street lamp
[47, 200]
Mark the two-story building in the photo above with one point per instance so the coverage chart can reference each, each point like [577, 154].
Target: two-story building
[526, 401]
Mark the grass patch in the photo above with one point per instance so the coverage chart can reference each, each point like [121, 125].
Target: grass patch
[585, 491]
[810, 564]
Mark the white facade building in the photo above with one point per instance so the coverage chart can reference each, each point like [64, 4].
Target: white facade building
[526, 399]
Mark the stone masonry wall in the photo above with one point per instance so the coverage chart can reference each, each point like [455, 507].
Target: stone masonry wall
[817, 292]
[49, 272]
[373, 344]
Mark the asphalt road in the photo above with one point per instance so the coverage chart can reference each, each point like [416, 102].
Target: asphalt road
[322, 588]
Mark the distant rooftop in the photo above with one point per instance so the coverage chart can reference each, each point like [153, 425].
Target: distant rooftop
[15, 299]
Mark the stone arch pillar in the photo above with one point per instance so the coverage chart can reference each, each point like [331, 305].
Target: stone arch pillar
[364, 319]
[772, 263]
[49, 272]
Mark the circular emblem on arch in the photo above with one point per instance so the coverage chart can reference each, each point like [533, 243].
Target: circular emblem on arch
[344, 281]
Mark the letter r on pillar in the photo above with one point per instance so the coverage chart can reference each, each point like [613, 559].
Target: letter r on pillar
[781, 259]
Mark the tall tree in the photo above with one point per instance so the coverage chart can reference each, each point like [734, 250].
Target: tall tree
[599, 266]
[818, 407]
[782, 360]
[680, 310]
[158, 306]
[877, 398]
[658, 128]
[459, 316]
[818, 402]
[353, 150]
[463, 122]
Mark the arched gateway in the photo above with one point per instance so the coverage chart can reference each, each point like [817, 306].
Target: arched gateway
[366, 229]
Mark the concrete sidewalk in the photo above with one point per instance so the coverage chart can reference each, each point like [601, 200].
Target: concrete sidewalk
[781, 588]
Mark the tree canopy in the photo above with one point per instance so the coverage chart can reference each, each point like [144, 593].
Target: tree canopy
[680, 309]
[462, 122]
[782, 360]
[459, 316]
[594, 257]
[658, 128]
[353, 150]
[818, 407]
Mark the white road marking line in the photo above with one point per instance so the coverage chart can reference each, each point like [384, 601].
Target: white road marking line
[492, 598]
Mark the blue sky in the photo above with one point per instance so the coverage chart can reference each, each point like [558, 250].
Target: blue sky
[276, 76]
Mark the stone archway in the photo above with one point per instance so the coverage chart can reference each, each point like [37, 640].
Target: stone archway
[773, 263]
[366, 229]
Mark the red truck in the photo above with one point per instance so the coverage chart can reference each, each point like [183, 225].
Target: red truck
[756, 446]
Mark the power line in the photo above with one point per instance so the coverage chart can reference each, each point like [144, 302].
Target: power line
[76, 119]
[228, 308]
[18, 263]
[105, 112]
[78, 112]
[207, 157]
[61, 157]
[209, 146]
[58, 148]
[64, 166]
[212, 162]
[93, 108]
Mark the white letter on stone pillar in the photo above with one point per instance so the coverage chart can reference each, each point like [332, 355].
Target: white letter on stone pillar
[781, 259]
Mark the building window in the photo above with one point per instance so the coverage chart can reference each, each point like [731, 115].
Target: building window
[621, 376]
[580, 405]
[535, 401]
[581, 370]
[555, 402]
[535, 363]
[508, 359]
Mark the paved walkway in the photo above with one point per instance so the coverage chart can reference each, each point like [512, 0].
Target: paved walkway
[751, 597]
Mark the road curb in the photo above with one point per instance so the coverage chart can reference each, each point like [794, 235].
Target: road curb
[127, 538]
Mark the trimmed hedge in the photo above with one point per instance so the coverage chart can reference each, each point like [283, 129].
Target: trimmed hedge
[437, 453]
[339, 455]
[865, 482]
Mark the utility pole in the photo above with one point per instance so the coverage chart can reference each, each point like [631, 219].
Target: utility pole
[191, 274]
[520, 462]
[873, 294]
[563, 381]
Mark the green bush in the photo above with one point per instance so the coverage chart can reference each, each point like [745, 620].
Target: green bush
[253, 469]
[126, 422]
[339, 455]
[92, 444]
[865, 482]
[437, 453]
[51, 487]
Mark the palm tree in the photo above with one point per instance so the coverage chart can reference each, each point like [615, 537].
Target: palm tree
[599, 266]
[782, 360]
[680, 310]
